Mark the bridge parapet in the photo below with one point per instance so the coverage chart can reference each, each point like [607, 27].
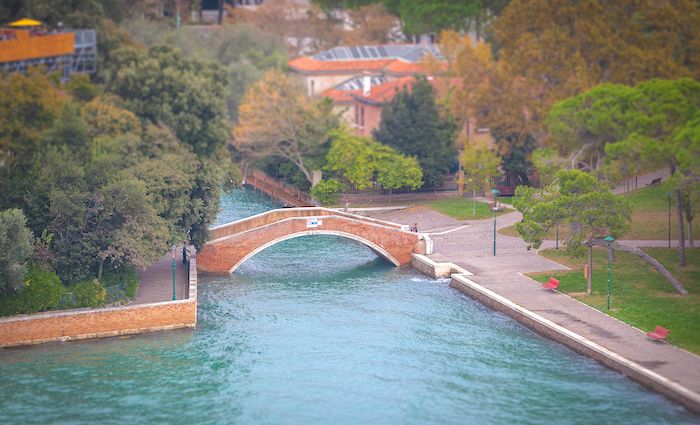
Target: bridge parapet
[235, 242]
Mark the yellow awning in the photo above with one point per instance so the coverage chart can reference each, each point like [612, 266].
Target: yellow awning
[25, 23]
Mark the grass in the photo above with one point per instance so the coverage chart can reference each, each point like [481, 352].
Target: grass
[461, 208]
[649, 217]
[640, 295]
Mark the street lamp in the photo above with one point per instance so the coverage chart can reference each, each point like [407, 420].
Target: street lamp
[495, 193]
[669, 195]
[174, 265]
[609, 239]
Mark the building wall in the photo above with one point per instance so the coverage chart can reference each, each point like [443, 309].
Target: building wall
[372, 118]
[320, 83]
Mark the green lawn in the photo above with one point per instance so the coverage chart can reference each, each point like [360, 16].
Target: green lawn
[649, 217]
[461, 208]
[640, 295]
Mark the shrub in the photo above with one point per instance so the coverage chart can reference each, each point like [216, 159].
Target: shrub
[90, 293]
[126, 279]
[116, 295]
[327, 192]
[41, 290]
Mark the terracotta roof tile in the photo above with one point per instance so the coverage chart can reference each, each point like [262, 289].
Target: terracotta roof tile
[340, 96]
[309, 64]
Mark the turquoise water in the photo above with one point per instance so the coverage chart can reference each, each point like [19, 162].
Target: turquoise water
[320, 330]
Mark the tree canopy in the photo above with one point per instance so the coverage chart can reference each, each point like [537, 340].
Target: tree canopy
[363, 160]
[412, 124]
[578, 201]
[276, 118]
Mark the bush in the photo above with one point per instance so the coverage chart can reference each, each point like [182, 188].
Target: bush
[116, 295]
[126, 279]
[327, 192]
[90, 293]
[42, 290]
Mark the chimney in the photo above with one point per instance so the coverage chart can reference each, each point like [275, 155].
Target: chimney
[366, 83]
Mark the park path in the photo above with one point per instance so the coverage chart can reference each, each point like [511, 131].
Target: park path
[157, 280]
[471, 247]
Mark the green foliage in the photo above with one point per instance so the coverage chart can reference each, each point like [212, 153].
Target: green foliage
[80, 87]
[15, 249]
[547, 163]
[161, 85]
[327, 192]
[577, 200]
[363, 160]
[90, 293]
[480, 165]
[125, 278]
[420, 17]
[41, 290]
[411, 124]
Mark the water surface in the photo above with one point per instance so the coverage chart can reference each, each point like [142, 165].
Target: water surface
[320, 330]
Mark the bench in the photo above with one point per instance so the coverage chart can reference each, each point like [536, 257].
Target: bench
[552, 284]
[658, 334]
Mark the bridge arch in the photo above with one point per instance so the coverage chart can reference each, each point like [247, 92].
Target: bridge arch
[234, 243]
[374, 247]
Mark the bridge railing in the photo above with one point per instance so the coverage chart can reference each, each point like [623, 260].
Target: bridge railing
[277, 189]
[275, 216]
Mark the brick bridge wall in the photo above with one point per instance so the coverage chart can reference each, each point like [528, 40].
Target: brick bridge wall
[233, 243]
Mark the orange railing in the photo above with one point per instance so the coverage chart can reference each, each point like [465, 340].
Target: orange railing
[22, 45]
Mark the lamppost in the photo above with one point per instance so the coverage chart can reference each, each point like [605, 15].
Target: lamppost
[495, 193]
[174, 265]
[609, 239]
[669, 195]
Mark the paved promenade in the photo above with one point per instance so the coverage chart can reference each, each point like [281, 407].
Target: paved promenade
[471, 247]
[157, 280]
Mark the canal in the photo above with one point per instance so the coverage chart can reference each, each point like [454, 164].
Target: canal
[319, 330]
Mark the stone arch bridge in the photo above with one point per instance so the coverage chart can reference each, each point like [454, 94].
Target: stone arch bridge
[233, 243]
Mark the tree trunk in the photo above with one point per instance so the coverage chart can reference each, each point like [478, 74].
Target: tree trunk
[474, 202]
[651, 260]
[589, 280]
[220, 16]
[691, 243]
[681, 229]
[99, 269]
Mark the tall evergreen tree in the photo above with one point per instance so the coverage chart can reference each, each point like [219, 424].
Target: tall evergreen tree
[411, 123]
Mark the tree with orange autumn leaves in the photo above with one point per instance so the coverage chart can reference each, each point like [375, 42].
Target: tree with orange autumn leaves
[546, 52]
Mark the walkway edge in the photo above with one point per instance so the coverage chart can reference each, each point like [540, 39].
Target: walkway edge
[578, 343]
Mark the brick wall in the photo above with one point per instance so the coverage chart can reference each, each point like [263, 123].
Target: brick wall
[103, 322]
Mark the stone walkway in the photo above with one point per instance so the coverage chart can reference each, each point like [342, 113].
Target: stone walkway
[471, 247]
[157, 280]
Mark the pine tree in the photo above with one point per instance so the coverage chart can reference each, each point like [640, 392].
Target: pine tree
[411, 124]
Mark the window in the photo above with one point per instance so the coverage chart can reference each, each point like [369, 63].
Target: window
[362, 117]
[313, 87]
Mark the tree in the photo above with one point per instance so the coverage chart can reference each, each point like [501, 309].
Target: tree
[480, 166]
[579, 201]
[162, 86]
[560, 49]
[276, 118]
[363, 160]
[657, 114]
[15, 249]
[420, 17]
[412, 124]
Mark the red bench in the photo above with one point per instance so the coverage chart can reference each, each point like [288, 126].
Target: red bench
[552, 283]
[658, 334]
